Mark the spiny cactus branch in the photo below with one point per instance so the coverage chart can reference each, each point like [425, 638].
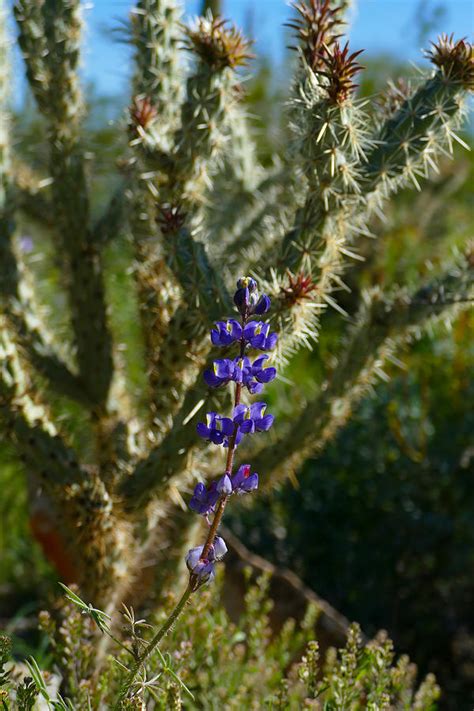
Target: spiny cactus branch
[383, 326]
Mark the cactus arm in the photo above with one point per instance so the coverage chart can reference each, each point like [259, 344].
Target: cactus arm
[236, 181]
[205, 112]
[52, 71]
[36, 351]
[408, 143]
[383, 327]
[157, 96]
[413, 139]
[156, 33]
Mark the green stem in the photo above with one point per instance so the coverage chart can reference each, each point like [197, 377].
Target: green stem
[164, 629]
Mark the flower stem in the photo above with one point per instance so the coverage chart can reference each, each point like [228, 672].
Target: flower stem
[164, 629]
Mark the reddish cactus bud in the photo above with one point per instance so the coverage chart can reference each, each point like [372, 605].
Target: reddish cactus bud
[299, 288]
[171, 218]
[339, 67]
[142, 112]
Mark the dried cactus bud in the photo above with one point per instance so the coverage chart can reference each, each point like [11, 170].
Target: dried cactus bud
[454, 58]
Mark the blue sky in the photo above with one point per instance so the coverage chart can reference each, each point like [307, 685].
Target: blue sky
[378, 26]
[386, 26]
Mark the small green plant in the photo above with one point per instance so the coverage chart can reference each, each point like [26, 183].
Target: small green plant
[214, 663]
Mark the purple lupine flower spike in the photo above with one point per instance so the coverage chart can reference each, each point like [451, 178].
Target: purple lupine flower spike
[246, 419]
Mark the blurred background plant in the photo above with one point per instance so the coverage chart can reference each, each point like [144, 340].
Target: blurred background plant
[387, 505]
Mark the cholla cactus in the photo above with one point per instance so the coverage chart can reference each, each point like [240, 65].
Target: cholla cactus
[199, 212]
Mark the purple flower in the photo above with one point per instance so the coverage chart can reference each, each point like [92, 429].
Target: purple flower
[243, 481]
[220, 548]
[223, 370]
[203, 568]
[224, 485]
[226, 332]
[252, 418]
[263, 305]
[204, 500]
[217, 429]
[263, 375]
[252, 375]
[246, 296]
[257, 334]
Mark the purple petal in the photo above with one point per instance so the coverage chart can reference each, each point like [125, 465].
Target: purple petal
[227, 426]
[247, 427]
[271, 341]
[250, 328]
[223, 368]
[250, 484]
[216, 437]
[258, 341]
[204, 571]
[240, 411]
[266, 375]
[239, 437]
[224, 485]
[263, 305]
[203, 430]
[200, 491]
[264, 423]
[220, 548]
[193, 556]
[236, 330]
[254, 387]
[242, 473]
[258, 362]
[257, 409]
[211, 379]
